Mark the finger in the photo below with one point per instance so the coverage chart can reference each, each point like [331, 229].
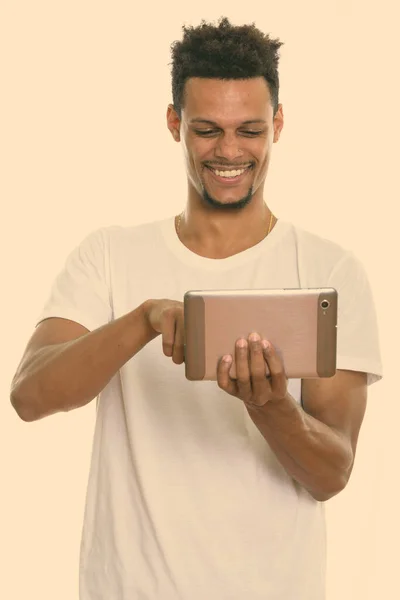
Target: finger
[168, 331]
[243, 369]
[259, 382]
[178, 353]
[225, 382]
[278, 379]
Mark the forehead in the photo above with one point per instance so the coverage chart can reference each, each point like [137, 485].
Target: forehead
[229, 100]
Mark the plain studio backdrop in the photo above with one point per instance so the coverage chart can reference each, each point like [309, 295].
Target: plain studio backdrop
[85, 87]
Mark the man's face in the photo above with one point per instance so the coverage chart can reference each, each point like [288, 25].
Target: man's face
[227, 131]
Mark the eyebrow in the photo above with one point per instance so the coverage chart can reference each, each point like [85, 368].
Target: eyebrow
[216, 124]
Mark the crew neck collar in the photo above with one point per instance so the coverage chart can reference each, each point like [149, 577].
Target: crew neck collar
[219, 264]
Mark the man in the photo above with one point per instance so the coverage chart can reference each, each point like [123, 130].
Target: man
[201, 489]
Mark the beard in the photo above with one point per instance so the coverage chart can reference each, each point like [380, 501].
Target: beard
[227, 206]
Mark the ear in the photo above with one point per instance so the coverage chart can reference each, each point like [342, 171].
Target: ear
[173, 122]
[278, 123]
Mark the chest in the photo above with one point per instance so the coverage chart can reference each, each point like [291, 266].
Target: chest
[135, 279]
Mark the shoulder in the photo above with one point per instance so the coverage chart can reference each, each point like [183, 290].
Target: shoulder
[317, 245]
[322, 256]
[115, 235]
[322, 261]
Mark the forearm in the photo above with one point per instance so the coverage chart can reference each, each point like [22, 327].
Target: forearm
[315, 455]
[65, 376]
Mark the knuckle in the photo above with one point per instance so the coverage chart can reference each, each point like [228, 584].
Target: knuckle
[259, 375]
[222, 383]
[256, 347]
[169, 312]
[279, 371]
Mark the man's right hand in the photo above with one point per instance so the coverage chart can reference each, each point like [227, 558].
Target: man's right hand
[166, 317]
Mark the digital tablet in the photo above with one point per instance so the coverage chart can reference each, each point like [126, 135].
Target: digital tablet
[300, 322]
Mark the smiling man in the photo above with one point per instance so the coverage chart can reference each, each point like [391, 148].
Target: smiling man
[204, 490]
[221, 177]
[227, 128]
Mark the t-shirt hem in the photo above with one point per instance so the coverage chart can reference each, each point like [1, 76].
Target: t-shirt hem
[71, 315]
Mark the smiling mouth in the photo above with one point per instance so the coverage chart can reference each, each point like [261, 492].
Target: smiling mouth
[229, 175]
[229, 172]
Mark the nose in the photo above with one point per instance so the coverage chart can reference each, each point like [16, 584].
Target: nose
[228, 148]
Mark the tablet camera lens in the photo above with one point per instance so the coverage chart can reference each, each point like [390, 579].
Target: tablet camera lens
[325, 304]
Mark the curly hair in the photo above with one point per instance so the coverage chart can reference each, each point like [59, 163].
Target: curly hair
[225, 51]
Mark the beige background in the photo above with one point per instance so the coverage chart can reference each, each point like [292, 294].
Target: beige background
[84, 144]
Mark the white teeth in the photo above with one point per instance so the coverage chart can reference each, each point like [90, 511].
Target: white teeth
[229, 173]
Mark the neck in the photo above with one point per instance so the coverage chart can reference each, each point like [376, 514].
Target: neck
[218, 234]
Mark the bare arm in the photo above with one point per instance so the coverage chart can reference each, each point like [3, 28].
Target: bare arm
[316, 445]
[65, 366]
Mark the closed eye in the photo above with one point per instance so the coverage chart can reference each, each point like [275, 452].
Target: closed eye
[210, 132]
[252, 132]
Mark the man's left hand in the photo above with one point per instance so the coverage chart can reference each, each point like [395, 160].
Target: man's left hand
[252, 385]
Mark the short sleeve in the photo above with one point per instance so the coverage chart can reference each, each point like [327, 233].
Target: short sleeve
[81, 291]
[358, 347]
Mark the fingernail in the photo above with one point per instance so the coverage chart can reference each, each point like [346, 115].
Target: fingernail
[242, 343]
[227, 358]
[254, 337]
[265, 344]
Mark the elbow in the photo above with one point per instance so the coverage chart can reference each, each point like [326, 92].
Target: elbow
[321, 496]
[23, 403]
[25, 412]
[332, 488]
[31, 405]
[334, 483]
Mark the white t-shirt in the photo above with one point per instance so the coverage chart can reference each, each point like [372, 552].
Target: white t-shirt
[185, 499]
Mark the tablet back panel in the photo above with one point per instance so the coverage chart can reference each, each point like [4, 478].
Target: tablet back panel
[296, 321]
